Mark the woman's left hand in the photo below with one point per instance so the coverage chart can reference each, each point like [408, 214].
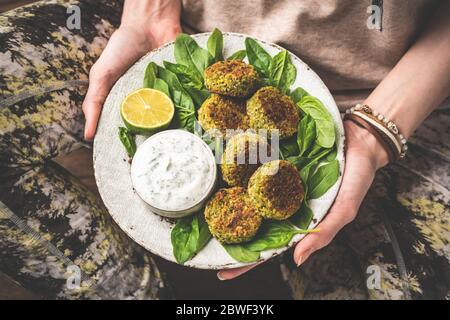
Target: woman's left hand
[364, 156]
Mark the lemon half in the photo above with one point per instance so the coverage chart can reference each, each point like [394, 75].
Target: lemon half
[147, 111]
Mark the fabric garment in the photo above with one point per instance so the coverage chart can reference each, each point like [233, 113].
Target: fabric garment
[49, 222]
[338, 39]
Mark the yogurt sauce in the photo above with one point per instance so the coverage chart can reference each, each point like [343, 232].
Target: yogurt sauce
[173, 170]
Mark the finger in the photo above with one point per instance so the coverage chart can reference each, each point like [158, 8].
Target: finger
[328, 229]
[233, 273]
[358, 177]
[92, 105]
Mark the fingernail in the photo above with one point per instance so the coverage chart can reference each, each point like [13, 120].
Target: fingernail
[303, 257]
[219, 275]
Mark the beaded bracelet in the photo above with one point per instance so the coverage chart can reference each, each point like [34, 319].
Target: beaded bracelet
[386, 128]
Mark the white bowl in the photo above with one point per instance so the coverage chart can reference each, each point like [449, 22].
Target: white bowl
[136, 171]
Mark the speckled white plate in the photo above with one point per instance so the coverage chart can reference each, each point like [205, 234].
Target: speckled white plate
[112, 170]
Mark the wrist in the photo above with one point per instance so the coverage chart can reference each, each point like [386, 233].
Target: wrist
[158, 21]
[164, 31]
[363, 142]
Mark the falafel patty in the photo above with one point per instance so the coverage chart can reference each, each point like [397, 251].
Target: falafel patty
[222, 113]
[276, 190]
[232, 78]
[230, 216]
[241, 158]
[269, 109]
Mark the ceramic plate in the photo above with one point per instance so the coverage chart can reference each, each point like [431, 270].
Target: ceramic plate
[112, 169]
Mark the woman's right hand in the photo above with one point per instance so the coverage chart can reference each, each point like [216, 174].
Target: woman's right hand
[133, 39]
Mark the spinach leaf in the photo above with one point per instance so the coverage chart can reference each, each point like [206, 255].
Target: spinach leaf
[150, 75]
[288, 147]
[184, 106]
[282, 72]
[186, 76]
[189, 236]
[198, 96]
[215, 45]
[331, 154]
[325, 130]
[306, 134]
[257, 56]
[162, 86]
[187, 52]
[300, 162]
[308, 164]
[238, 55]
[273, 234]
[308, 160]
[127, 139]
[323, 179]
[240, 253]
[298, 94]
[303, 217]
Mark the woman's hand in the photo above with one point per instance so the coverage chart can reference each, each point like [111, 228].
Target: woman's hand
[145, 25]
[364, 155]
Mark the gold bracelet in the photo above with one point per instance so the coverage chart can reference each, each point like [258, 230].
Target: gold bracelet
[383, 125]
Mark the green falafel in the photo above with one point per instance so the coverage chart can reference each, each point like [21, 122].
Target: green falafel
[222, 113]
[230, 216]
[276, 190]
[242, 156]
[232, 78]
[269, 109]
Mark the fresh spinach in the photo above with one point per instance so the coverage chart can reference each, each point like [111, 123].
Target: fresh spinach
[189, 236]
[241, 253]
[306, 134]
[187, 52]
[274, 234]
[162, 86]
[282, 72]
[288, 147]
[323, 179]
[325, 130]
[184, 105]
[150, 75]
[187, 77]
[258, 57]
[198, 95]
[127, 139]
[298, 94]
[215, 45]
[238, 55]
[303, 217]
